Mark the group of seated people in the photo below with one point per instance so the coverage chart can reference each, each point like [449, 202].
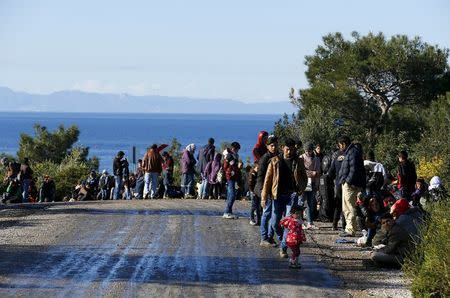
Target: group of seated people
[393, 222]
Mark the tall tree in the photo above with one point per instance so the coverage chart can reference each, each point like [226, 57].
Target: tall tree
[362, 79]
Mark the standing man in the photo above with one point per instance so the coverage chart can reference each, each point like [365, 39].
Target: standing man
[285, 180]
[233, 174]
[205, 155]
[118, 171]
[407, 175]
[263, 164]
[167, 174]
[26, 175]
[152, 166]
[352, 177]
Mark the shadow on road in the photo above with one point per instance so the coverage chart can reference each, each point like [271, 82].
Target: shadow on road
[39, 262]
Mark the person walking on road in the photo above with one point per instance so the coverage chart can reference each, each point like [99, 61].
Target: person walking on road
[285, 180]
[295, 236]
[265, 228]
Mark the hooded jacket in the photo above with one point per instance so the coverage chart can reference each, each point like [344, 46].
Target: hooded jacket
[260, 148]
[272, 179]
[188, 160]
[213, 168]
[205, 155]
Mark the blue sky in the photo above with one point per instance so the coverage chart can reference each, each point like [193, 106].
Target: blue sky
[246, 50]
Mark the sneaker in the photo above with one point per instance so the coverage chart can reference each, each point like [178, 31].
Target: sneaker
[252, 222]
[265, 243]
[228, 216]
[311, 227]
[283, 254]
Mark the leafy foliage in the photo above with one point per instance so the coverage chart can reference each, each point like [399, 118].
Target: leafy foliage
[66, 174]
[361, 80]
[175, 152]
[428, 265]
[46, 145]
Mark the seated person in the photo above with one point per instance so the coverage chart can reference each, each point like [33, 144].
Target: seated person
[47, 190]
[419, 192]
[391, 243]
[399, 232]
[374, 214]
[13, 194]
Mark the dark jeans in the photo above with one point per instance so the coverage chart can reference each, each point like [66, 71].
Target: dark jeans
[231, 195]
[256, 208]
[278, 210]
[187, 183]
[266, 228]
[215, 190]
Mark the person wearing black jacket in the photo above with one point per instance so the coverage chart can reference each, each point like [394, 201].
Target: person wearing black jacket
[352, 177]
[118, 170]
[337, 158]
[406, 175]
[205, 155]
[263, 163]
[47, 190]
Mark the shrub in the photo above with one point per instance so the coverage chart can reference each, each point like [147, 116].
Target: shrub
[429, 168]
[66, 175]
[428, 266]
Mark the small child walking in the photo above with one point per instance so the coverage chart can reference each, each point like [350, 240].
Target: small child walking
[296, 236]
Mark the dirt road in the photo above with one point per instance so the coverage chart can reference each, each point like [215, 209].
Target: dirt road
[146, 248]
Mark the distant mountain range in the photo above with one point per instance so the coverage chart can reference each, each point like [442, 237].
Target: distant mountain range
[77, 101]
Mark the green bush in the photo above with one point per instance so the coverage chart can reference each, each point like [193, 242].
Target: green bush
[66, 175]
[428, 266]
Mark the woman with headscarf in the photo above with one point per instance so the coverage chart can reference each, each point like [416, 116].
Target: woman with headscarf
[188, 170]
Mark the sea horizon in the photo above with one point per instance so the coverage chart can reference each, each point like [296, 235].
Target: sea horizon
[107, 133]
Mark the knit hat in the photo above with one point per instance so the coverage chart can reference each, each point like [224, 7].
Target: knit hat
[435, 182]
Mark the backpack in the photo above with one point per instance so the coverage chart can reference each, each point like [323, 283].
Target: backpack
[220, 175]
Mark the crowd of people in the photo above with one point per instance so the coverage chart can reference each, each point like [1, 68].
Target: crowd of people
[286, 183]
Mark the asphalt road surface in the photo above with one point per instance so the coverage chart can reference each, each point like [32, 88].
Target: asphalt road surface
[164, 248]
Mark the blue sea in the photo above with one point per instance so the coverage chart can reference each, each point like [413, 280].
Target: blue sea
[106, 134]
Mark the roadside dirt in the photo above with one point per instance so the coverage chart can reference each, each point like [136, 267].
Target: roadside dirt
[351, 264]
[145, 249]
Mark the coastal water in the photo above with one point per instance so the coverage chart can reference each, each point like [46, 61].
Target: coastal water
[105, 134]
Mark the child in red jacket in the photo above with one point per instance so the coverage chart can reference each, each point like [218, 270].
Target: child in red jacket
[295, 235]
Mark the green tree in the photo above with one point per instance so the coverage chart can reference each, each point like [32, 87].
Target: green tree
[362, 79]
[175, 152]
[46, 145]
[54, 146]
